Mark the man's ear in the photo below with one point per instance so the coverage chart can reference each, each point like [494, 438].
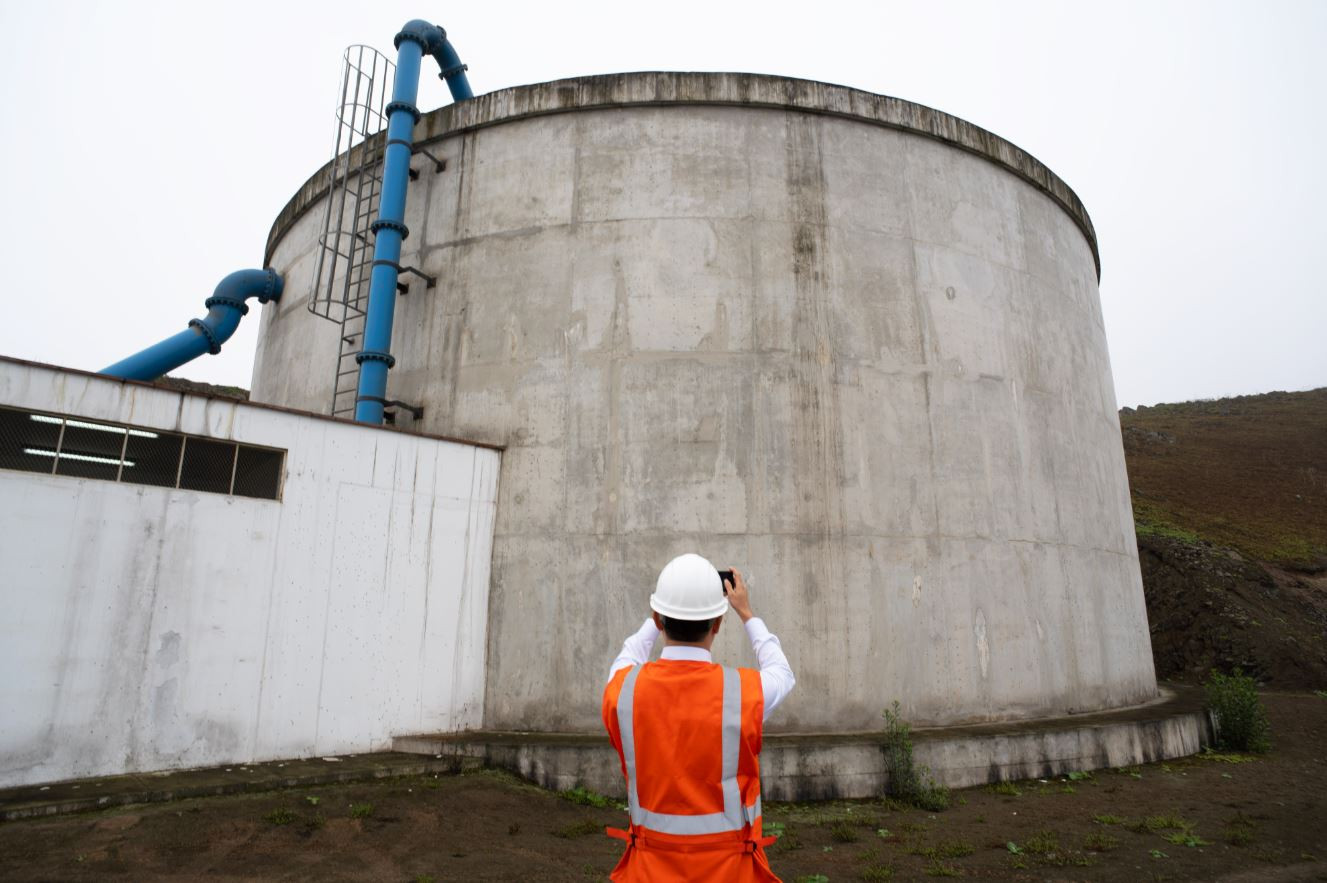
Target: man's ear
[658, 621]
[714, 626]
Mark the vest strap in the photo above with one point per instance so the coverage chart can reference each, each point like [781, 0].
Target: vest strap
[637, 840]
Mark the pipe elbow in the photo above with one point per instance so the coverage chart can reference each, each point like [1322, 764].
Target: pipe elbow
[227, 304]
[428, 35]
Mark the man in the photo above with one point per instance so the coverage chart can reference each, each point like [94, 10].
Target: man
[688, 733]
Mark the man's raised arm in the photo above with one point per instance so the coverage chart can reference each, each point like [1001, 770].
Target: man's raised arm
[636, 648]
[776, 675]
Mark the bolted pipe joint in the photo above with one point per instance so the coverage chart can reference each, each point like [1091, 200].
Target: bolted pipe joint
[430, 37]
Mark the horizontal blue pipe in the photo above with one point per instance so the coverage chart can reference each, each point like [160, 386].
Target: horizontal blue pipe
[225, 308]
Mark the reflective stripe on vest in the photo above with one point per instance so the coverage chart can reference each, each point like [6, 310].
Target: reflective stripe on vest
[735, 816]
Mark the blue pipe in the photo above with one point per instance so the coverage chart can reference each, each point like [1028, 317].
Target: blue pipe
[225, 308]
[389, 230]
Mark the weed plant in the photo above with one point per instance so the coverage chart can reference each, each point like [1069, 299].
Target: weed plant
[907, 781]
[1241, 720]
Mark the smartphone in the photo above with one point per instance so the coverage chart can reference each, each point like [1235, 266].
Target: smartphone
[726, 575]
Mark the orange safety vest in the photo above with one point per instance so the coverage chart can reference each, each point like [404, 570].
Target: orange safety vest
[688, 735]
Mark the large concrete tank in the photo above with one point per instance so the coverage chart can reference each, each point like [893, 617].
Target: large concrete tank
[848, 343]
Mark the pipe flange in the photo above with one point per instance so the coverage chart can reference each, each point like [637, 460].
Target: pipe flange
[273, 289]
[227, 302]
[384, 224]
[213, 346]
[429, 36]
[453, 71]
[403, 105]
[372, 356]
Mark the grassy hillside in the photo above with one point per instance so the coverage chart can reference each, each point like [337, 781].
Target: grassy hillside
[1249, 473]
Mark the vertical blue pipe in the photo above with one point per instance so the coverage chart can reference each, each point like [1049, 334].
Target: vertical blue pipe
[389, 230]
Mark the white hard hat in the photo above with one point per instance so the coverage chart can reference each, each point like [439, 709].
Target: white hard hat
[689, 588]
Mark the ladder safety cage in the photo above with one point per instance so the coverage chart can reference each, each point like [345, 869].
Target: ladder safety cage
[354, 187]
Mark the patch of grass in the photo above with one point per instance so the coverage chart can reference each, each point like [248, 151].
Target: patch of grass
[788, 842]
[773, 829]
[579, 829]
[1241, 720]
[1018, 862]
[940, 869]
[314, 824]
[812, 878]
[311, 800]
[1100, 841]
[1108, 820]
[908, 782]
[280, 817]
[425, 878]
[842, 832]
[1240, 831]
[1082, 776]
[913, 828]
[1321, 694]
[1007, 789]
[875, 872]
[361, 810]
[1068, 789]
[1186, 838]
[943, 850]
[1166, 821]
[1132, 772]
[1224, 757]
[585, 797]
[1042, 843]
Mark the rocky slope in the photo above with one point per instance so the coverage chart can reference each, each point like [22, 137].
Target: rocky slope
[1230, 503]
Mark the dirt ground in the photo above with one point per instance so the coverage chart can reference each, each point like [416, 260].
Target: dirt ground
[1195, 819]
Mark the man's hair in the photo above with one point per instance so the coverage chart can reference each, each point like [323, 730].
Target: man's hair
[688, 630]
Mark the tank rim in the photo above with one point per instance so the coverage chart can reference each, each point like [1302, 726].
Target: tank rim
[663, 89]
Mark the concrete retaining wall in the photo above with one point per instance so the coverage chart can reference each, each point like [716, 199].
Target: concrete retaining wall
[827, 766]
[148, 628]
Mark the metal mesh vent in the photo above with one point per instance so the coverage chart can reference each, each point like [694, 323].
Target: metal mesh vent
[56, 444]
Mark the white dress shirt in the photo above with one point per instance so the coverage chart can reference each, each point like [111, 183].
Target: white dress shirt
[776, 676]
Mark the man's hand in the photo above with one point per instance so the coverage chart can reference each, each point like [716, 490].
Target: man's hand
[737, 595]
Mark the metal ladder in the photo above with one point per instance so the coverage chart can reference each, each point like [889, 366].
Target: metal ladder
[354, 187]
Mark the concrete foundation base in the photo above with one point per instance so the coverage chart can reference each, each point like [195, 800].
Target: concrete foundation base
[820, 766]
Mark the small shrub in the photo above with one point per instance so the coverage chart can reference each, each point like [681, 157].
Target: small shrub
[940, 869]
[1241, 720]
[813, 878]
[280, 817]
[1008, 789]
[585, 797]
[907, 781]
[788, 842]
[361, 810]
[1108, 820]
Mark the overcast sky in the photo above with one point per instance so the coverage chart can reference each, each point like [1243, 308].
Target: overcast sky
[148, 147]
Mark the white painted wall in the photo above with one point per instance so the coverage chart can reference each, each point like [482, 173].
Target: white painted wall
[146, 628]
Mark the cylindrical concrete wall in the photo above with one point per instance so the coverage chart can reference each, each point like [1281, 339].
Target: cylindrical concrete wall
[849, 344]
